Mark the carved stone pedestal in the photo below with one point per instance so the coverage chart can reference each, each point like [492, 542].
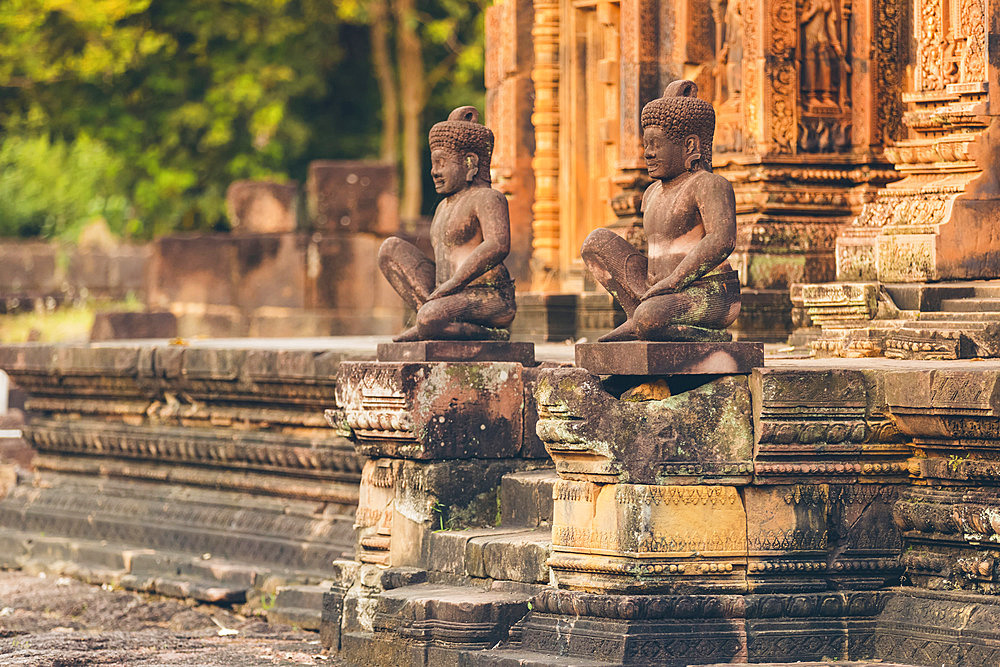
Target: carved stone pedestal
[436, 438]
[655, 358]
[458, 350]
[702, 629]
[641, 538]
[594, 432]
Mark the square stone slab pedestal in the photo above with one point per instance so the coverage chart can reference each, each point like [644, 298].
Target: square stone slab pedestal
[458, 350]
[653, 358]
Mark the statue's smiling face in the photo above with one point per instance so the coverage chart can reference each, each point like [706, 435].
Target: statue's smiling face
[664, 158]
[448, 169]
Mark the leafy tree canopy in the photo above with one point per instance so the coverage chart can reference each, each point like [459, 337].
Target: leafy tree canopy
[143, 112]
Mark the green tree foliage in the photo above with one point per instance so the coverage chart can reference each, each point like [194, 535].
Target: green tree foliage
[186, 96]
[143, 112]
[428, 58]
[53, 188]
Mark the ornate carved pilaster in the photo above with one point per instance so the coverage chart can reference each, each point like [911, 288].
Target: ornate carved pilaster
[546, 75]
[797, 139]
[780, 106]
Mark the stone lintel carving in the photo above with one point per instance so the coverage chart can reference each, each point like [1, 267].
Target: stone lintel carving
[953, 417]
[824, 425]
[933, 627]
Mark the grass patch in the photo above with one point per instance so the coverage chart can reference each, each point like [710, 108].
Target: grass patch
[66, 324]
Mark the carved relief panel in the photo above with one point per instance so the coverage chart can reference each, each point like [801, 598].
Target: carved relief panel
[951, 43]
[730, 50]
[825, 123]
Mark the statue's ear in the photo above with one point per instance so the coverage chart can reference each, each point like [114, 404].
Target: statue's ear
[692, 151]
[472, 166]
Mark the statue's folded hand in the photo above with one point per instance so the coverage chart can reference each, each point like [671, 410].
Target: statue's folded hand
[446, 288]
[666, 286]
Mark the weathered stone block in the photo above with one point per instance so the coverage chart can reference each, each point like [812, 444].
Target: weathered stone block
[433, 410]
[787, 537]
[449, 615]
[952, 537]
[262, 206]
[665, 630]
[645, 358]
[526, 498]
[701, 434]
[829, 625]
[402, 502]
[453, 551]
[922, 627]
[344, 196]
[824, 425]
[519, 557]
[645, 538]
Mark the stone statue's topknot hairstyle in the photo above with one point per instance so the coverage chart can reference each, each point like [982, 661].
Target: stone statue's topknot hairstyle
[464, 133]
[681, 112]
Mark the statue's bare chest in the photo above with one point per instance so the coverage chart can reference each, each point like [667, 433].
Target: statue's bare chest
[455, 223]
[670, 212]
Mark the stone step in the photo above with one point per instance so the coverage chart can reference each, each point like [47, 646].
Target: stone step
[928, 296]
[205, 578]
[434, 624]
[300, 605]
[520, 658]
[965, 321]
[526, 498]
[460, 616]
[179, 575]
[974, 305]
[509, 554]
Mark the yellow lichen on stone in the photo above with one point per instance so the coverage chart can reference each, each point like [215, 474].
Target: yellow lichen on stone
[648, 391]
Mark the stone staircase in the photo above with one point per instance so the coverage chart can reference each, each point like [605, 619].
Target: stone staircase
[464, 604]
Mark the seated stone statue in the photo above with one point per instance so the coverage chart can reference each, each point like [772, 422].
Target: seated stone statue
[685, 289]
[465, 293]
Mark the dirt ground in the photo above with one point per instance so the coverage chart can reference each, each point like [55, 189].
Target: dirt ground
[57, 621]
